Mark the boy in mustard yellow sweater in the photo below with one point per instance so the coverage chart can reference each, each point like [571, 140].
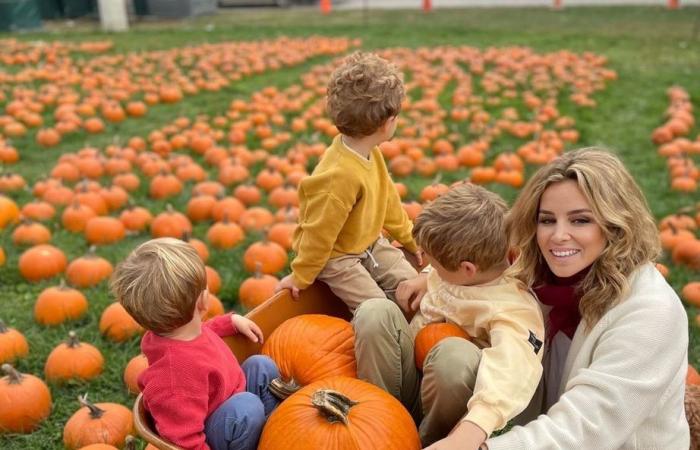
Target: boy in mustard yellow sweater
[349, 198]
[473, 388]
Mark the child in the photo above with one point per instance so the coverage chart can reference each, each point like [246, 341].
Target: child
[479, 385]
[198, 395]
[350, 197]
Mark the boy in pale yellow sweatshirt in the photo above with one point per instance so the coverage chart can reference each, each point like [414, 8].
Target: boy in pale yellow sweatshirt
[350, 197]
[473, 388]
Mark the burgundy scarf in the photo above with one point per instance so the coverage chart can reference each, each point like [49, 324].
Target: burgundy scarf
[561, 295]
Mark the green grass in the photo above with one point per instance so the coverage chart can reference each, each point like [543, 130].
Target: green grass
[650, 48]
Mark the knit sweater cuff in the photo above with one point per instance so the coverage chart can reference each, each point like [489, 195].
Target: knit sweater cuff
[299, 283]
[222, 325]
[484, 416]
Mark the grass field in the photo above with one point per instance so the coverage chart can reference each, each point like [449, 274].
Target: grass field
[649, 48]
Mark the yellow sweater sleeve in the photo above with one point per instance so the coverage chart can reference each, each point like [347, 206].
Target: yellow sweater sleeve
[397, 222]
[325, 216]
[509, 370]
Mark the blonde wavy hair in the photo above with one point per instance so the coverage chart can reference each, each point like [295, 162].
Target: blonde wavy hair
[363, 93]
[619, 208]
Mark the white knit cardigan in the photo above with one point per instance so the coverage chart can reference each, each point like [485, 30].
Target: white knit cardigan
[623, 382]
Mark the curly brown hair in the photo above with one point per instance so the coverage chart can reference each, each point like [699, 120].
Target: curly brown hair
[363, 93]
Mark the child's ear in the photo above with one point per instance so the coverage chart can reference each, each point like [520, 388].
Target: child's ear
[203, 301]
[468, 268]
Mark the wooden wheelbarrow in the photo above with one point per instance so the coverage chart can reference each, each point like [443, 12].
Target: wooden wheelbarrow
[316, 299]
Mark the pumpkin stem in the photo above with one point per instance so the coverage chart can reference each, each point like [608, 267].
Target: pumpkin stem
[95, 412]
[258, 270]
[3, 327]
[332, 405]
[283, 389]
[14, 376]
[72, 340]
[130, 442]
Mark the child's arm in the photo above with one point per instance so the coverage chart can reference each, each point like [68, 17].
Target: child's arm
[509, 370]
[464, 436]
[222, 325]
[179, 416]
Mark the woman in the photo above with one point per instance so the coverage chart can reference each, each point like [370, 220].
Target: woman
[617, 334]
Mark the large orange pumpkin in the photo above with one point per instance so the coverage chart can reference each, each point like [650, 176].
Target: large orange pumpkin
[340, 413]
[311, 347]
[25, 401]
[430, 335]
[107, 423]
[73, 359]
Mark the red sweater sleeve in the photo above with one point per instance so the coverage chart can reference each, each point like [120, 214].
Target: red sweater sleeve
[221, 325]
[179, 416]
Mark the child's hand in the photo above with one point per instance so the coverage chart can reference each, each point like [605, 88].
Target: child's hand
[250, 329]
[409, 293]
[465, 436]
[287, 283]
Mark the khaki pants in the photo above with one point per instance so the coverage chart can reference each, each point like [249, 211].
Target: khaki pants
[357, 277]
[384, 353]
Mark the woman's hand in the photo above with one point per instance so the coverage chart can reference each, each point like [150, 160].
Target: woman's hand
[250, 329]
[409, 293]
[288, 283]
[465, 436]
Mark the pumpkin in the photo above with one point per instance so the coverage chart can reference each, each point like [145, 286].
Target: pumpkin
[57, 304]
[25, 401]
[88, 270]
[9, 212]
[340, 413]
[256, 219]
[129, 444]
[73, 359]
[117, 325]
[42, 261]
[692, 376]
[2, 257]
[136, 218]
[267, 256]
[692, 413]
[213, 280]
[199, 207]
[133, 369]
[215, 308]
[229, 207]
[38, 210]
[225, 235]
[691, 293]
[170, 223]
[255, 290]
[430, 335]
[31, 233]
[13, 344]
[198, 245]
[76, 216]
[328, 349]
[103, 230]
[687, 252]
[282, 233]
[107, 423]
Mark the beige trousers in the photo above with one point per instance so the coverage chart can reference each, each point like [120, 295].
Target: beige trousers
[375, 273]
[384, 352]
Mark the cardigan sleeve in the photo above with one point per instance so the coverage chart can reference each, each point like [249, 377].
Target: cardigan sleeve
[632, 369]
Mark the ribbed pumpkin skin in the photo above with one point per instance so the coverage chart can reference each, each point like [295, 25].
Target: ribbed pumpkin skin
[377, 422]
[112, 428]
[57, 304]
[430, 335]
[73, 360]
[311, 347]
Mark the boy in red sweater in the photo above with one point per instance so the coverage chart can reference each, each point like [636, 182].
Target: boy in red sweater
[197, 393]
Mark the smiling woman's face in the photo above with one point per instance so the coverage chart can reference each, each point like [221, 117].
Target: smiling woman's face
[568, 236]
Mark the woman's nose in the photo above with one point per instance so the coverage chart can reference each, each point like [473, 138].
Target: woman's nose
[561, 232]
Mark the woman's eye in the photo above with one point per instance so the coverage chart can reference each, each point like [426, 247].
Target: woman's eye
[581, 220]
[545, 220]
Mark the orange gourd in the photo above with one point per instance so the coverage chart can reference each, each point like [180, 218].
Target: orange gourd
[57, 304]
[25, 401]
[117, 325]
[269, 256]
[133, 369]
[254, 290]
[107, 423]
[13, 344]
[430, 335]
[42, 261]
[73, 359]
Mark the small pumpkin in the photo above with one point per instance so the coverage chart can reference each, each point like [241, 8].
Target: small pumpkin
[104, 230]
[430, 335]
[31, 233]
[340, 413]
[13, 344]
[691, 293]
[216, 308]
[133, 369]
[25, 401]
[76, 216]
[107, 423]
[117, 325]
[57, 304]
[270, 256]
[213, 280]
[254, 290]
[328, 350]
[170, 223]
[9, 212]
[88, 270]
[225, 234]
[73, 359]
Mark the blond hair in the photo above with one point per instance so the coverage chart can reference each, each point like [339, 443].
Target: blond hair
[159, 284]
[619, 208]
[363, 93]
[466, 223]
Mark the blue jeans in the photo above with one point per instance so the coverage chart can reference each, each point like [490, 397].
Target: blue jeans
[238, 422]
